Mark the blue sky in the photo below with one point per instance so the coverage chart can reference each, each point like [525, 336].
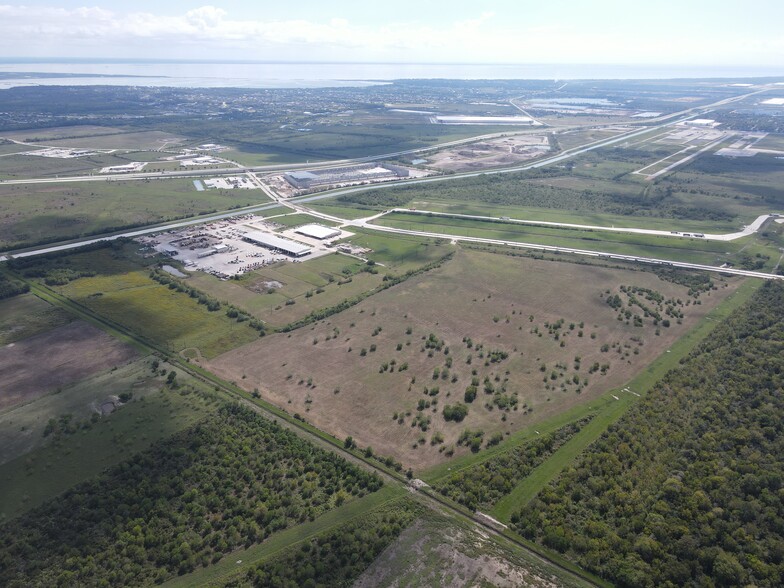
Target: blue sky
[684, 32]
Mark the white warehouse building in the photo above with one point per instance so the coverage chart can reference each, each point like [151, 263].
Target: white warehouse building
[317, 231]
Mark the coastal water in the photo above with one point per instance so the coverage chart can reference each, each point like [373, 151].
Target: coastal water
[310, 75]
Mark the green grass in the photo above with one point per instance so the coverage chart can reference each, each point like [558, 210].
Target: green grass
[341, 210]
[228, 566]
[294, 220]
[26, 315]
[676, 249]
[610, 410]
[399, 252]
[22, 427]
[122, 292]
[46, 472]
[47, 212]
[598, 219]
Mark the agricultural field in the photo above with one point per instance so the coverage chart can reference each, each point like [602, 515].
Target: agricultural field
[115, 283]
[51, 212]
[486, 344]
[45, 362]
[26, 315]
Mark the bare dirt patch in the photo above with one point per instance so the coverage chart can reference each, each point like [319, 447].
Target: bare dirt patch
[433, 553]
[540, 337]
[488, 154]
[40, 364]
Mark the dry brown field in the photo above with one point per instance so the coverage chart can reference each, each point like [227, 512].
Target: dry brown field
[38, 365]
[529, 309]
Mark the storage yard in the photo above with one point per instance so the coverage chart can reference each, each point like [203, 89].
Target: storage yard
[241, 244]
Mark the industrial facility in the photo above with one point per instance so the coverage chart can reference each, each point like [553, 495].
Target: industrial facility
[318, 231]
[271, 241]
[368, 172]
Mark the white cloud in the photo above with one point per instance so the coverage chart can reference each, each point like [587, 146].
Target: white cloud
[94, 31]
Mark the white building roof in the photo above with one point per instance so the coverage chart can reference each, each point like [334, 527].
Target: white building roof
[317, 231]
[275, 242]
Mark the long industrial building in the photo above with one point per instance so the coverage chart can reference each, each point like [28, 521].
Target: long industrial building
[367, 172]
[282, 244]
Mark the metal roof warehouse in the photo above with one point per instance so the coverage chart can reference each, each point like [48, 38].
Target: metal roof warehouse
[271, 241]
[317, 231]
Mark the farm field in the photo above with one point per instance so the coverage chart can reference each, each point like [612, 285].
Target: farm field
[45, 213]
[40, 364]
[113, 282]
[26, 315]
[384, 371]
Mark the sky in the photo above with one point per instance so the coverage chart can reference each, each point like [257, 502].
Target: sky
[682, 32]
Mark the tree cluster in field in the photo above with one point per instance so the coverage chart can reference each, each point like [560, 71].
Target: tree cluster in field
[10, 287]
[336, 558]
[212, 304]
[226, 483]
[482, 485]
[687, 489]
[387, 282]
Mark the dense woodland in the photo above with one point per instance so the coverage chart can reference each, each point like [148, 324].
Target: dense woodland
[688, 488]
[482, 485]
[336, 558]
[224, 484]
[10, 287]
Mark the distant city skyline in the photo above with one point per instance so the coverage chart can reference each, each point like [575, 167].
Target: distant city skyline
[697, 32]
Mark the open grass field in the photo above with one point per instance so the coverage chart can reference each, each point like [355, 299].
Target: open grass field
[22, 428]
[45, 472]
[40, 364]
[20, 166]
[122, 291]
[36, 213]
[94, 137]
[526, 321]
[10, 148]
[26, 315]
[676, 249]
[312, 284]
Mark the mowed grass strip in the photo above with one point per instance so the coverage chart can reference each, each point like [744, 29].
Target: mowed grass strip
[676, 249]
[610, 409]
[241, 561]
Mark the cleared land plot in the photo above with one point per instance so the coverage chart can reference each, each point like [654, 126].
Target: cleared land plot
[40, 364]
[26, 315]
[436, 551]
[43, 212]
[506, 151]
[502, 304]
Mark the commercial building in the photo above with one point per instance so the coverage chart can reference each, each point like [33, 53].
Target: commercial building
[274, 242]
[368, 172]
[317, 231]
